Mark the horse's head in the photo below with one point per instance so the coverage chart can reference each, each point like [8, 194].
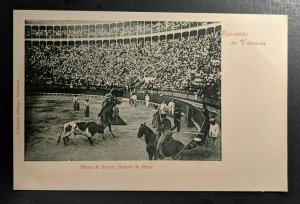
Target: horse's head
[111, 102]
[116, 101]
[142, 130]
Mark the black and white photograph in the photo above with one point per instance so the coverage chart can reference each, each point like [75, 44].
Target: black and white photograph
[122, 90]
[149, 101]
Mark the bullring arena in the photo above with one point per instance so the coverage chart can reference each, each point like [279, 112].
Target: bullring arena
[165, 59]
[47, 114]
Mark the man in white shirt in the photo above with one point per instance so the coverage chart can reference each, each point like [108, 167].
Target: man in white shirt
[75, 103]
[214, 131]
[147, 99]
[171, 107]
[163, 107]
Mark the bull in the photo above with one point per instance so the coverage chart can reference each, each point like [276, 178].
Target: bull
[86, 128]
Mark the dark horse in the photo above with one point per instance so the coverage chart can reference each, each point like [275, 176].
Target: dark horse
[171, 147]
[106, 113]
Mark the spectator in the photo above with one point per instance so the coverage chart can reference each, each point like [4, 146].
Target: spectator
[191, 64]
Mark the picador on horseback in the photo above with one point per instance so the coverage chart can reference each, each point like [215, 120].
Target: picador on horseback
[164, 133]
[106, 113]
[170, 147]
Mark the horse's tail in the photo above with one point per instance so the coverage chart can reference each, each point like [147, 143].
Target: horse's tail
[62, 129]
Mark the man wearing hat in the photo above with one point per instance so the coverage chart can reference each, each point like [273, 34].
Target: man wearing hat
[108, 98]
[163, 107]
[156, 117]
[86, 108]
[177, 119]
[165, 121]
[75, 103]
[110, 94]
[164, 132]
[214, 131]
[171, 107]
[206, 125]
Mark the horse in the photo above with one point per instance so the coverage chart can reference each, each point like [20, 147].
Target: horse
[171, 147]
[106, 113]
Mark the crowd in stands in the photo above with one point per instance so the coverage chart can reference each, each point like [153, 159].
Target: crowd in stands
[190, 64]
[107, 30]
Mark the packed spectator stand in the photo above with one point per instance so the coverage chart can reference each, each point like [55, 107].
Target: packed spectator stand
[145, 55]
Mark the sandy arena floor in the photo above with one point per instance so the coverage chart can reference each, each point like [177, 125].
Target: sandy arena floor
[45, 116]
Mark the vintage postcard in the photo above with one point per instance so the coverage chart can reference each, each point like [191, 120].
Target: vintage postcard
[150, 101]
